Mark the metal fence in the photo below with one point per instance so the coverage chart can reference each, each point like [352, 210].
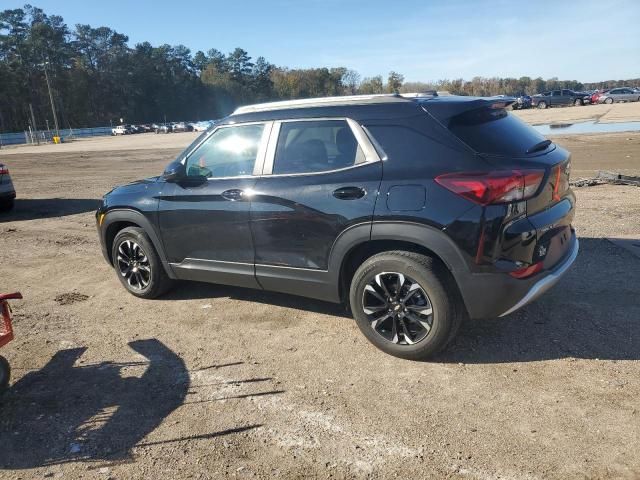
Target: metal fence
[46, 136]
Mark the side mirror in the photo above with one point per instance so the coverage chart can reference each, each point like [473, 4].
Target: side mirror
[174, 172]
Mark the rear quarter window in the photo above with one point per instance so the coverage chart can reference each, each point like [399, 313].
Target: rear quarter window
[494, 132]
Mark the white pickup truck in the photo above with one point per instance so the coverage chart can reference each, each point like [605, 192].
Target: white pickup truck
[121, 130]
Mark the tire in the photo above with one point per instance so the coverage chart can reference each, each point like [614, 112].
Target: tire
[542, 105]
[578, 102]
[609, 101]
[138, 265]
[5, 374]
[436, 297]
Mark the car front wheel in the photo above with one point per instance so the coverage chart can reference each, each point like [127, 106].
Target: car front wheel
[542, 105]
[138, 265]
[405, 304]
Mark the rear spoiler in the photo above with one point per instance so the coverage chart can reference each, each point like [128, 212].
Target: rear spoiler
[444, 109]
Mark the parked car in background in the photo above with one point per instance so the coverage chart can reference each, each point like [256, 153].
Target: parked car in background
[480, 230]
[7, 192]
[596, 95]
[624, 94]
[182, 127]
[522, 101]
[202, 126]
[558, 98]
[582, 98]
[164, 128]
[122, 130]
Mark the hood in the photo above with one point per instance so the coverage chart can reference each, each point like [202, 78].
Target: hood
[134, 187]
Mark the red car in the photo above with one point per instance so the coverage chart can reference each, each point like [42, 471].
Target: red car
[596, 95]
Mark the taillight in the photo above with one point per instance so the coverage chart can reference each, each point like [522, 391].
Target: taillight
[493, 187]
[528, 271]
[4, 170]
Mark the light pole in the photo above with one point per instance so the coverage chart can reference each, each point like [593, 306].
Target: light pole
[53, 106]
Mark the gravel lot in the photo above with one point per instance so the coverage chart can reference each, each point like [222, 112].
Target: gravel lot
[215, 381]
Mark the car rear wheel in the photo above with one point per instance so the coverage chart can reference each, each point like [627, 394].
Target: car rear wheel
[138, 265]
[578, 102]
[542, 105]
[405, 304]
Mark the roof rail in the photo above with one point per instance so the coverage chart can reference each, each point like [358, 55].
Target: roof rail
[322, 101]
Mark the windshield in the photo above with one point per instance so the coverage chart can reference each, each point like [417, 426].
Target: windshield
[193, 144]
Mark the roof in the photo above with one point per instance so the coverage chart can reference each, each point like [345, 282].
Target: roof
[367, 106]
[321, 102]
[336, 101]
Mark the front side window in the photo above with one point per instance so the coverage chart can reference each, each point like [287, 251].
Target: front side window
[315, 146]
[228, 152]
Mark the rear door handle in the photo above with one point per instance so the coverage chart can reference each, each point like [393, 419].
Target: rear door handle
[349, 193]
[233, 195]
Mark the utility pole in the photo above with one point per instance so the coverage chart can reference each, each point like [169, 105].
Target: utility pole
[33, 122]
[53, 107]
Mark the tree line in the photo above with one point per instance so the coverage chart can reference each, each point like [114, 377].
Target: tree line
[96, 78]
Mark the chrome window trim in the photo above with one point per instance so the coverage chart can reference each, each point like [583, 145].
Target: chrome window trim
[262, 149]
[370, 153]
[260, 156]
[271, 149]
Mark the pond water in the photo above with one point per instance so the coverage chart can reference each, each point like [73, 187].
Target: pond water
[587, 127]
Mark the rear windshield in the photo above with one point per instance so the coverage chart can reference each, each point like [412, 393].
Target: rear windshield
[494, 131]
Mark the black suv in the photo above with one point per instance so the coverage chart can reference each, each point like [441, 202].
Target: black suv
[417, 212]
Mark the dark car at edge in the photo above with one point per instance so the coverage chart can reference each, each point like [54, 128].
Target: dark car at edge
[415, 212]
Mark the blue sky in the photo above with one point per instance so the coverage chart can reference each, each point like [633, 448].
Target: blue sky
[424, 40]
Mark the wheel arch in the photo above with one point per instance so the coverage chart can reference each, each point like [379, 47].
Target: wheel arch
[117, 219]
[361, 242]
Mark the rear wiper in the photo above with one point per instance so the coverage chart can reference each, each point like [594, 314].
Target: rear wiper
[539, 146]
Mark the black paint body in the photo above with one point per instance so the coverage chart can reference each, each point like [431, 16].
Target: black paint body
[293, 234]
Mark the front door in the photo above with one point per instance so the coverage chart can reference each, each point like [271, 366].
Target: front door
[204, 219]
[322, 178]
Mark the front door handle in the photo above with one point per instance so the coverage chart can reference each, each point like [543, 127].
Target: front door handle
[349, 193]
[233, 195]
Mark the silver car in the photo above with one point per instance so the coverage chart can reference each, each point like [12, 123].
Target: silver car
[7, 192]
[623, 94]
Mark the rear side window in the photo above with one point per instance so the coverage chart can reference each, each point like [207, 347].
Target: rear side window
[494, 131]
[316, 146]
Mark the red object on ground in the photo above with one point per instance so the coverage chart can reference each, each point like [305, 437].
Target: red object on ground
[6, 329]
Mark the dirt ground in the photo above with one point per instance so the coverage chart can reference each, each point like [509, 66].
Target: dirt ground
[215, 381]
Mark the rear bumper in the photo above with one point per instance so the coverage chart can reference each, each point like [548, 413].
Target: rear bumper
[491, 295]
[547, 282]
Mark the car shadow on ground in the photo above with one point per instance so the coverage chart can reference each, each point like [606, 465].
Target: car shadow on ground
[33, 209]
[186, 290]
[592, 313]
[65, 412]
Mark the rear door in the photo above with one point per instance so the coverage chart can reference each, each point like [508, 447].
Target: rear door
[321, 177]
[628, 95]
